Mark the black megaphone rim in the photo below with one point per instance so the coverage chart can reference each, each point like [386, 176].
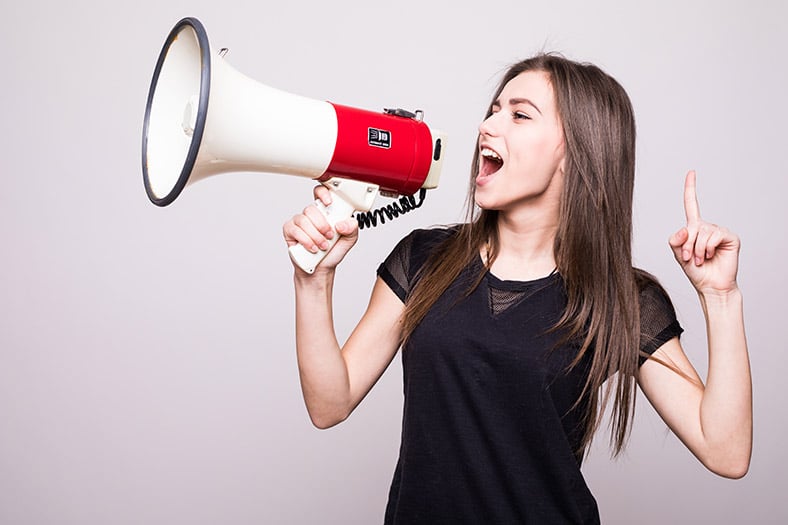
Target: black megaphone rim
[202, 112]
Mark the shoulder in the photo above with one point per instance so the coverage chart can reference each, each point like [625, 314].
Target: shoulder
[429, 237]
[658, 321]
[653, 296]
[399, 269]
[420, 243]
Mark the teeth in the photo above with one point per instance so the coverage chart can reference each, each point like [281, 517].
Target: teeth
[490, 154]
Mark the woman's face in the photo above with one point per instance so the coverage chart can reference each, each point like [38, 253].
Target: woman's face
[521, 147]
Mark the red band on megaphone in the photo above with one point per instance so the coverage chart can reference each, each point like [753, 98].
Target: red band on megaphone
[391, 151]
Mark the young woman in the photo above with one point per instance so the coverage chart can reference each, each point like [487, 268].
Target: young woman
[518, 327]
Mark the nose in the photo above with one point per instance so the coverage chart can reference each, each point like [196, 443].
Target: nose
[487, 127]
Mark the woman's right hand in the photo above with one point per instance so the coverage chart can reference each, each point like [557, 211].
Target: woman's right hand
[311, 229]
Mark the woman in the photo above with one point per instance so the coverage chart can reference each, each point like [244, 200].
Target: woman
[520, 325]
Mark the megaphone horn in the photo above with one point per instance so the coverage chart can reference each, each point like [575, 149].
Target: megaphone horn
[204, 118]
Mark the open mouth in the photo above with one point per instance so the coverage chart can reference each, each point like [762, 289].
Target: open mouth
[491, 162]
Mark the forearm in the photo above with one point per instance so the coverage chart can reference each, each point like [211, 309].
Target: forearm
[726, 407]
[322, 369]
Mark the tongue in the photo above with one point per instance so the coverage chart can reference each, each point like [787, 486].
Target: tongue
[490, 166]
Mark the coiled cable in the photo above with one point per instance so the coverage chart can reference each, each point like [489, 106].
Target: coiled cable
[369, 219]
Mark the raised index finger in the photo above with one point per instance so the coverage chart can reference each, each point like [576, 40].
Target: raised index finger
[691, 207]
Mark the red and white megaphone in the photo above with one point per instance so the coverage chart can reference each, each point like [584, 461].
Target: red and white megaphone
[204, 118]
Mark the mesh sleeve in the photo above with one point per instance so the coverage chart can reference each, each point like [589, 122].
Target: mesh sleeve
[400, 268]
[395, 268]
[658, 323]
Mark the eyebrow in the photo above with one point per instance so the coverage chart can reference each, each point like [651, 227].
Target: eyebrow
[518, 101]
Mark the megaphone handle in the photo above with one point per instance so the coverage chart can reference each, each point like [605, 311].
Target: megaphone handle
[338, 210]
[347, 196]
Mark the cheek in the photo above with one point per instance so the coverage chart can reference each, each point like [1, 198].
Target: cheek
[544, 155]
[554, 149]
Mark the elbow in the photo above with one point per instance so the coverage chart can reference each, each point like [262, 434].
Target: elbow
[731, 466]
[323, 420]
[323, 423]
[733, 470]
[728, 455]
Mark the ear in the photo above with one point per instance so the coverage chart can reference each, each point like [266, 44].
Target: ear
[562, 156]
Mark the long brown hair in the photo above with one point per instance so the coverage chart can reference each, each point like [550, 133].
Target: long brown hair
[592, 247]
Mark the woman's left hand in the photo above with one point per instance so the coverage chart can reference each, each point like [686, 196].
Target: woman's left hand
[708, 253]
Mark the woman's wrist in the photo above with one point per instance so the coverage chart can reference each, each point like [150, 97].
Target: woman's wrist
[320, 279]
[721, 298]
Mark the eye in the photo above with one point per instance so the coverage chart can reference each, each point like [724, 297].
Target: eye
[519, 115]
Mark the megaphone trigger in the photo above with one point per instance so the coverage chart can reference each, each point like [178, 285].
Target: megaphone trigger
[347, 197]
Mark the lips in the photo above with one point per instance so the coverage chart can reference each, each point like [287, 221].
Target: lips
[489, 161]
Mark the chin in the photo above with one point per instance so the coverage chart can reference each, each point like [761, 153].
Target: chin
[486, 206]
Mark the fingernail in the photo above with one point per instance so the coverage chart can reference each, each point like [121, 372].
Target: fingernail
[324, 245]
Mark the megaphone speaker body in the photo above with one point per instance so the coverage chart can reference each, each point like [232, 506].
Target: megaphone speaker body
[205, 118]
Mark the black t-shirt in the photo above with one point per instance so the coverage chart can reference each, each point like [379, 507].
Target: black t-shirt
[490, 424]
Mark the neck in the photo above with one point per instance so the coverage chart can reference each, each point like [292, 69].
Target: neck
[526, 245]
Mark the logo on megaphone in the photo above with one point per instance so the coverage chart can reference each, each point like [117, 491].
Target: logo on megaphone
[204, 118]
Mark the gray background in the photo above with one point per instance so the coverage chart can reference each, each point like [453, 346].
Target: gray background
[147, 370]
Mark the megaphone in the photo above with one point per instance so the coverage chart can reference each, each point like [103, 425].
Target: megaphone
[204, 118]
